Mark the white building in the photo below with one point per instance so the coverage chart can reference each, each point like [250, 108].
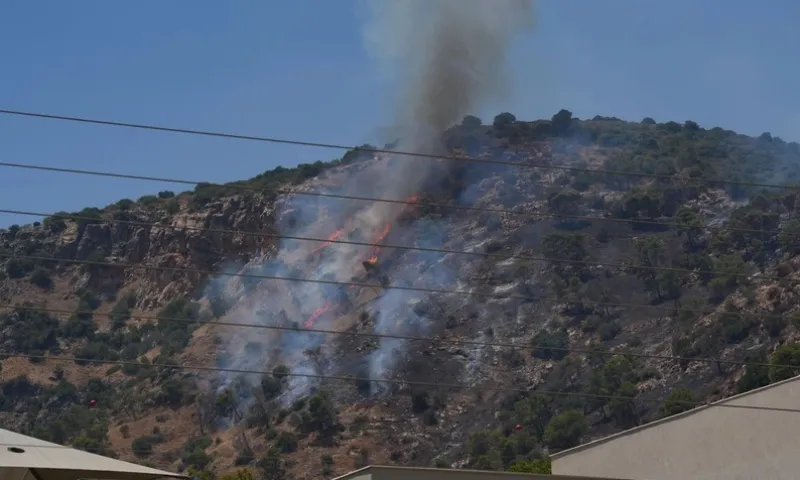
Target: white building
[28, 458]
[753, 435]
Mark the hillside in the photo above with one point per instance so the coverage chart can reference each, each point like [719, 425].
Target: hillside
[615, 239]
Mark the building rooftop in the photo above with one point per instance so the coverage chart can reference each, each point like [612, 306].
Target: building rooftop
[672, 418]
[376, 472]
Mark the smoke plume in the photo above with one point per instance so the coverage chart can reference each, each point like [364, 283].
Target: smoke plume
[451, 57]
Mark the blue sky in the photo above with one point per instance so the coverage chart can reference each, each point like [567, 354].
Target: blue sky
[298, 69]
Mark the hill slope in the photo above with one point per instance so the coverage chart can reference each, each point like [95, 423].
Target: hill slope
[580, 251]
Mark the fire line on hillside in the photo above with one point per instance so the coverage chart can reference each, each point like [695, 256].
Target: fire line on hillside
[370, 258]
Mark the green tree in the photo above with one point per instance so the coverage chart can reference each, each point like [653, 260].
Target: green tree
[755, 376]
[199, 474]
[679, 400]
[503, 121]
[689, 226]
[562, 122]
[321, 416]
[784, 362]
[728, 274]
[621, 408]
[541, 466]
[566, 251]
[239, 474]
[650, 255]
[535, 413]
[225, 403]
[565, 429]
[471, 121]
[14, 268]
[272, 466]
[615, 378]
[564, 202]
[789, 237]
[641, 202]
[41, 278]
[143, 446]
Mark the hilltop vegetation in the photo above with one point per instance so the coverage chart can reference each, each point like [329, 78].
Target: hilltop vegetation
[642, 237]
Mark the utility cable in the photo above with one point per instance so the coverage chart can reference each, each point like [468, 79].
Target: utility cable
[260, 276]
[350, 378]
[475, 343]
[398, 287]
[297, 192]
[352, 283]
[79, 217]
[374, 150]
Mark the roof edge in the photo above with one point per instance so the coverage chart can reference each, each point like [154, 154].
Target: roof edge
[660, 421]
[348, 474]
[374, 468]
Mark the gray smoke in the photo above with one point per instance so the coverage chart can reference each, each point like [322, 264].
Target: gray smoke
[451, 57]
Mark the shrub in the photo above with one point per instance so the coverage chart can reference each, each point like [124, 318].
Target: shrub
[32, 331]
[785, 362]
[272, 466]
[320, 415]
[503, 120]
[679, 400]
[550, 345]
[143, 446]
[14, 268]
[124, 204]
[121, 312]
[565, 430]
[172, 206]
[147, 200]
[286, 442]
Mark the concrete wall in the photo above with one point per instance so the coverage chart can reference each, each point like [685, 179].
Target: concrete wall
[711, 443]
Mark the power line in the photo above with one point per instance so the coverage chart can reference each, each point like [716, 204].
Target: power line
[350, 378]
[314, 330]
[398, 287]
[358, 243]
[407, 202]
[78, 217]
[261, 276]
[354, 283]
[372, 150]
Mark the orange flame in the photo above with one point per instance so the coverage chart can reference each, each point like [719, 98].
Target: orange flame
[412, 199]
[373, 253]
[318, 313]
[333, 236]
[372, 260]
[386, 229]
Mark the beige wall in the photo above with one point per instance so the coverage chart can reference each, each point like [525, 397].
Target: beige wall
[714, 442]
